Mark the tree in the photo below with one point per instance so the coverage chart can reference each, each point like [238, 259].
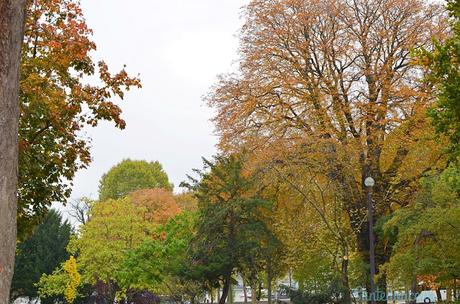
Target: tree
[333, 81]
[40, 254]
[443, 62]
[57, 102]
[159, 204]
[70, 267]
[186, 201]
[426, 232]
[130, 175]
[79, 210]
[309, 218]
[230, 222]
[63, 282]
[115, 227]
[11, 33]
[160, 265]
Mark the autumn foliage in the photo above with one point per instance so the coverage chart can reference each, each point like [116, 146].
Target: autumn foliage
[327, 93]
[57, 101]
[159, 204]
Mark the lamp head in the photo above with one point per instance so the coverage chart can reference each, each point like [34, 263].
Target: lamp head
[369, 182]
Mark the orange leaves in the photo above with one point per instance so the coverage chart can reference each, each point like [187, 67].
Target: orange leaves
[57, 102]
[158, 203]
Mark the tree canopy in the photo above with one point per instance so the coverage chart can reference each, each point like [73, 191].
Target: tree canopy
[443, 62]
[40, 254]
[57, 102]
[326, 94]
[130, 175]
[331, 87]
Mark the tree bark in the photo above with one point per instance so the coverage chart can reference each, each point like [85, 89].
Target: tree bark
[230, 293]
[438, 294]
[253, 293]
[11, 35]
[269, 282]
[225, 289]
[345, 280]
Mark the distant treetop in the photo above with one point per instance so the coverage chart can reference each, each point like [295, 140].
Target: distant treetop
[130, 175]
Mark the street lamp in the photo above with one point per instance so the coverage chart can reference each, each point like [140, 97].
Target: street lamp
[369, 182]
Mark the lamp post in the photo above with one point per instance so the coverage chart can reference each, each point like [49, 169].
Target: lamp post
[369, 182]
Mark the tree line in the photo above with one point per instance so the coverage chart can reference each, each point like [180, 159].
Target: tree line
[327, 94]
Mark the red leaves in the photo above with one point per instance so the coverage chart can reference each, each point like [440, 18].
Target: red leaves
[56, 65]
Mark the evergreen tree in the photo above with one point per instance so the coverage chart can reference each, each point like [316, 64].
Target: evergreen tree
[230, 231]
[40, 254]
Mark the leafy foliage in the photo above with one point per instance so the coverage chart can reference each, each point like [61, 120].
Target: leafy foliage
[70, 267]
[40, 254]
[230, 228]
[63, 281]
[157, 265]
[56, 104]
[159, 204]
[116, 226]
[426, 232]
[130, 175]
[444, 63]
[332, 293]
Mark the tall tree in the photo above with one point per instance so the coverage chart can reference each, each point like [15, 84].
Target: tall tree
[230, 222]
[41, 253]
[427, 234]
[334, 80]
[115, 227]
[160, 265]
[443, 61]
[130, 175]
[57, 102]
[11, 33]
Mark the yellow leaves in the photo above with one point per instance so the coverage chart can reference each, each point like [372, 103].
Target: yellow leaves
[115, 227]
[70, 267]
[415, 146]
[395, 206]
[63, 281]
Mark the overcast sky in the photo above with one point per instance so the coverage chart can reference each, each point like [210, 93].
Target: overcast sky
[178, 47]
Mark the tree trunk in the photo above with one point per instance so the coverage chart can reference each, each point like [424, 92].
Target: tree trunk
[345, 281]
[230, 294]
[225, 289]
[269, 282]
[455, 289]
[438, 294]
[245, 293]
[259, 292]
[253, 293]
[11, 35]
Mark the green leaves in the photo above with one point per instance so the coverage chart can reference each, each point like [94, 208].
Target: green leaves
[444, 64]
[130, 175]
[56, 103]
[115, 227]
[40, 254]
[427, 230]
